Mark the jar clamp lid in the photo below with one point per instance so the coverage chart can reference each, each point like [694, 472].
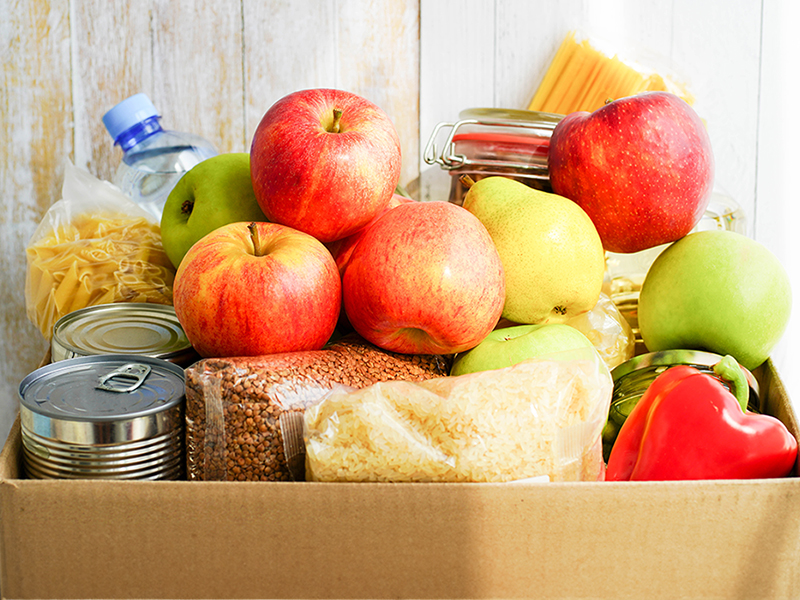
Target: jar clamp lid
[516, 140]
[486, 142]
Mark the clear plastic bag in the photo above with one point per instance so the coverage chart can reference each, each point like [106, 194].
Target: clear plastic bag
[244, 414]
[93, 246]
[607, 329]
[541, 417]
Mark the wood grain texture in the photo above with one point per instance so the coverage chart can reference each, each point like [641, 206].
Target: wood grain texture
[37, 135]
[456, 72]
[505, 47]
[777, 210]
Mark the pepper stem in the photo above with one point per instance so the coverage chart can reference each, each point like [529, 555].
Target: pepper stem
[729, 370]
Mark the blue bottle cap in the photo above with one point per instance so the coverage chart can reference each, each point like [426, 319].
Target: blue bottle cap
[128, 113]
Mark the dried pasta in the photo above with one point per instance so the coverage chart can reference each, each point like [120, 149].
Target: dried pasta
[583, 77]
[93, 259]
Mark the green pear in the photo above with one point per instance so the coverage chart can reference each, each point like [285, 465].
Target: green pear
[551, 252]
[213, 193]
[718, 291]
[511, 345]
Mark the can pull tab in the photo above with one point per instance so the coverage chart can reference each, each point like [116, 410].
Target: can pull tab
[124, 379]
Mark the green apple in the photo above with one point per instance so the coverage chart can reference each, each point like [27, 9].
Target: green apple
[510, 345]
[213, 193]
[718, 291]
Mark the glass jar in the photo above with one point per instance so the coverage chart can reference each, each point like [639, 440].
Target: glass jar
[494, 141]
[633, 377]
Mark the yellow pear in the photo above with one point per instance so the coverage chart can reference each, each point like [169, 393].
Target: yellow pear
[551, 252]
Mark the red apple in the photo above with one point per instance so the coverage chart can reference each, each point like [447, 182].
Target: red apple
[341, 250]
[641, 167]
[247, 289]
[325, 162]
[425, 278]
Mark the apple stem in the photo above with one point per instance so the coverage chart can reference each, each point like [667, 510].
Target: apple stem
[337, 115]
[257, 249]
[466, 181]
[187, 207]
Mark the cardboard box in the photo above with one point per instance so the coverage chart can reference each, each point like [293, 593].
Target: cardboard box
[88, 539]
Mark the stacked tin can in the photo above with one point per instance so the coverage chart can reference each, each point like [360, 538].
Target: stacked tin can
[110, 405]
[122, 328]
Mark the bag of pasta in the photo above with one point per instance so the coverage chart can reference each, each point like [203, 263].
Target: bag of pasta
[93, 246]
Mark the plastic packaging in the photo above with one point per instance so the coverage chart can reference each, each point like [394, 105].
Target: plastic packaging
[608, 330]
[154, 159]
[541, 417]
[244, 414]
[586, 71]
[93, 246]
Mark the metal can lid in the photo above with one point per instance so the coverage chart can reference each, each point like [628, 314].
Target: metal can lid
[103, 388]
[121, 328]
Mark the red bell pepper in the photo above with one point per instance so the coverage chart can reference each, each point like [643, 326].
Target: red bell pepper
[687, 425]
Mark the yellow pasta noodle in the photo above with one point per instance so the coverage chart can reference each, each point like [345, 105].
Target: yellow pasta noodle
[95, 258]
[583, 77]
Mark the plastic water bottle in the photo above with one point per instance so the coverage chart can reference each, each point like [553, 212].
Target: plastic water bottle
[154, 159]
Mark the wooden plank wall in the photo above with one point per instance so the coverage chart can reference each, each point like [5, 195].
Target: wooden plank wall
[214, 67]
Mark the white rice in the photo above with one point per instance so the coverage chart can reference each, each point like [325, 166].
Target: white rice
[539, 417]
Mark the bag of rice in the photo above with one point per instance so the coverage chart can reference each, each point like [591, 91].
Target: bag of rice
[541, 417]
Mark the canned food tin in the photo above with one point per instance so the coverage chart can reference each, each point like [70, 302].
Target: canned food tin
[117, 416]
[122, 328]
[633, 377]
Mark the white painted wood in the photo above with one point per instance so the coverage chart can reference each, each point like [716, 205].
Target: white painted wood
[456, 71]
[719, 64]
[273, 66]
[378, 57]
[35, 135]
[777, 216]
[211, 67]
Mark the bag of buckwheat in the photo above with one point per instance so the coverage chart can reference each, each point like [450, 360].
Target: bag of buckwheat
[244, 415]
[541, 418]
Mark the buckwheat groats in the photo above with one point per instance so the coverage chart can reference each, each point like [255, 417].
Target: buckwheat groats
[239, 410]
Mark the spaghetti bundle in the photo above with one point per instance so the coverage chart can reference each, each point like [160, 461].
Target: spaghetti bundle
[583, 77]
[83, 255]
